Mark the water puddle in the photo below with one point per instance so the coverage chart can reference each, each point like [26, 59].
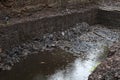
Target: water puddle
[39, 66]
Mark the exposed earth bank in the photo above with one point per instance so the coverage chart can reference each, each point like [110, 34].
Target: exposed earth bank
[110, 68]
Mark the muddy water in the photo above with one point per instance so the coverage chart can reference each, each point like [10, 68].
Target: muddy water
[42, 64]
[66, 55]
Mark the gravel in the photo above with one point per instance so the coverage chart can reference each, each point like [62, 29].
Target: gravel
[78, 40]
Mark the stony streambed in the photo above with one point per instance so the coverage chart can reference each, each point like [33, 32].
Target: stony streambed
[87, 44]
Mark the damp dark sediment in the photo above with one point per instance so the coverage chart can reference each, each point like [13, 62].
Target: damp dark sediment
[109, 18]
[14, 37]
[44, 63]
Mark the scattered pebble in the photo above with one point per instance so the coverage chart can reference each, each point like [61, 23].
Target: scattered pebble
[79, 39]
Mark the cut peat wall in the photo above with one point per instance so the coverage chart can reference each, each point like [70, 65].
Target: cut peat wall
[18, 33]
[109, 18]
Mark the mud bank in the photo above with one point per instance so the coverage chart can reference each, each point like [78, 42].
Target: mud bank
[20, 30]
[109, 18]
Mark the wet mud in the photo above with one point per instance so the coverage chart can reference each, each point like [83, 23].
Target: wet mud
[42, 64]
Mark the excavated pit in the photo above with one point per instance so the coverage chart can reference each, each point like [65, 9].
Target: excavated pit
[57, 46]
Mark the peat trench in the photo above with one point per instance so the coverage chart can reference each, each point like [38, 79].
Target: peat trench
[68, 54]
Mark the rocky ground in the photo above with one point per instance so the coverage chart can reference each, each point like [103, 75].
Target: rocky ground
[69, 40]
[110, 68]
